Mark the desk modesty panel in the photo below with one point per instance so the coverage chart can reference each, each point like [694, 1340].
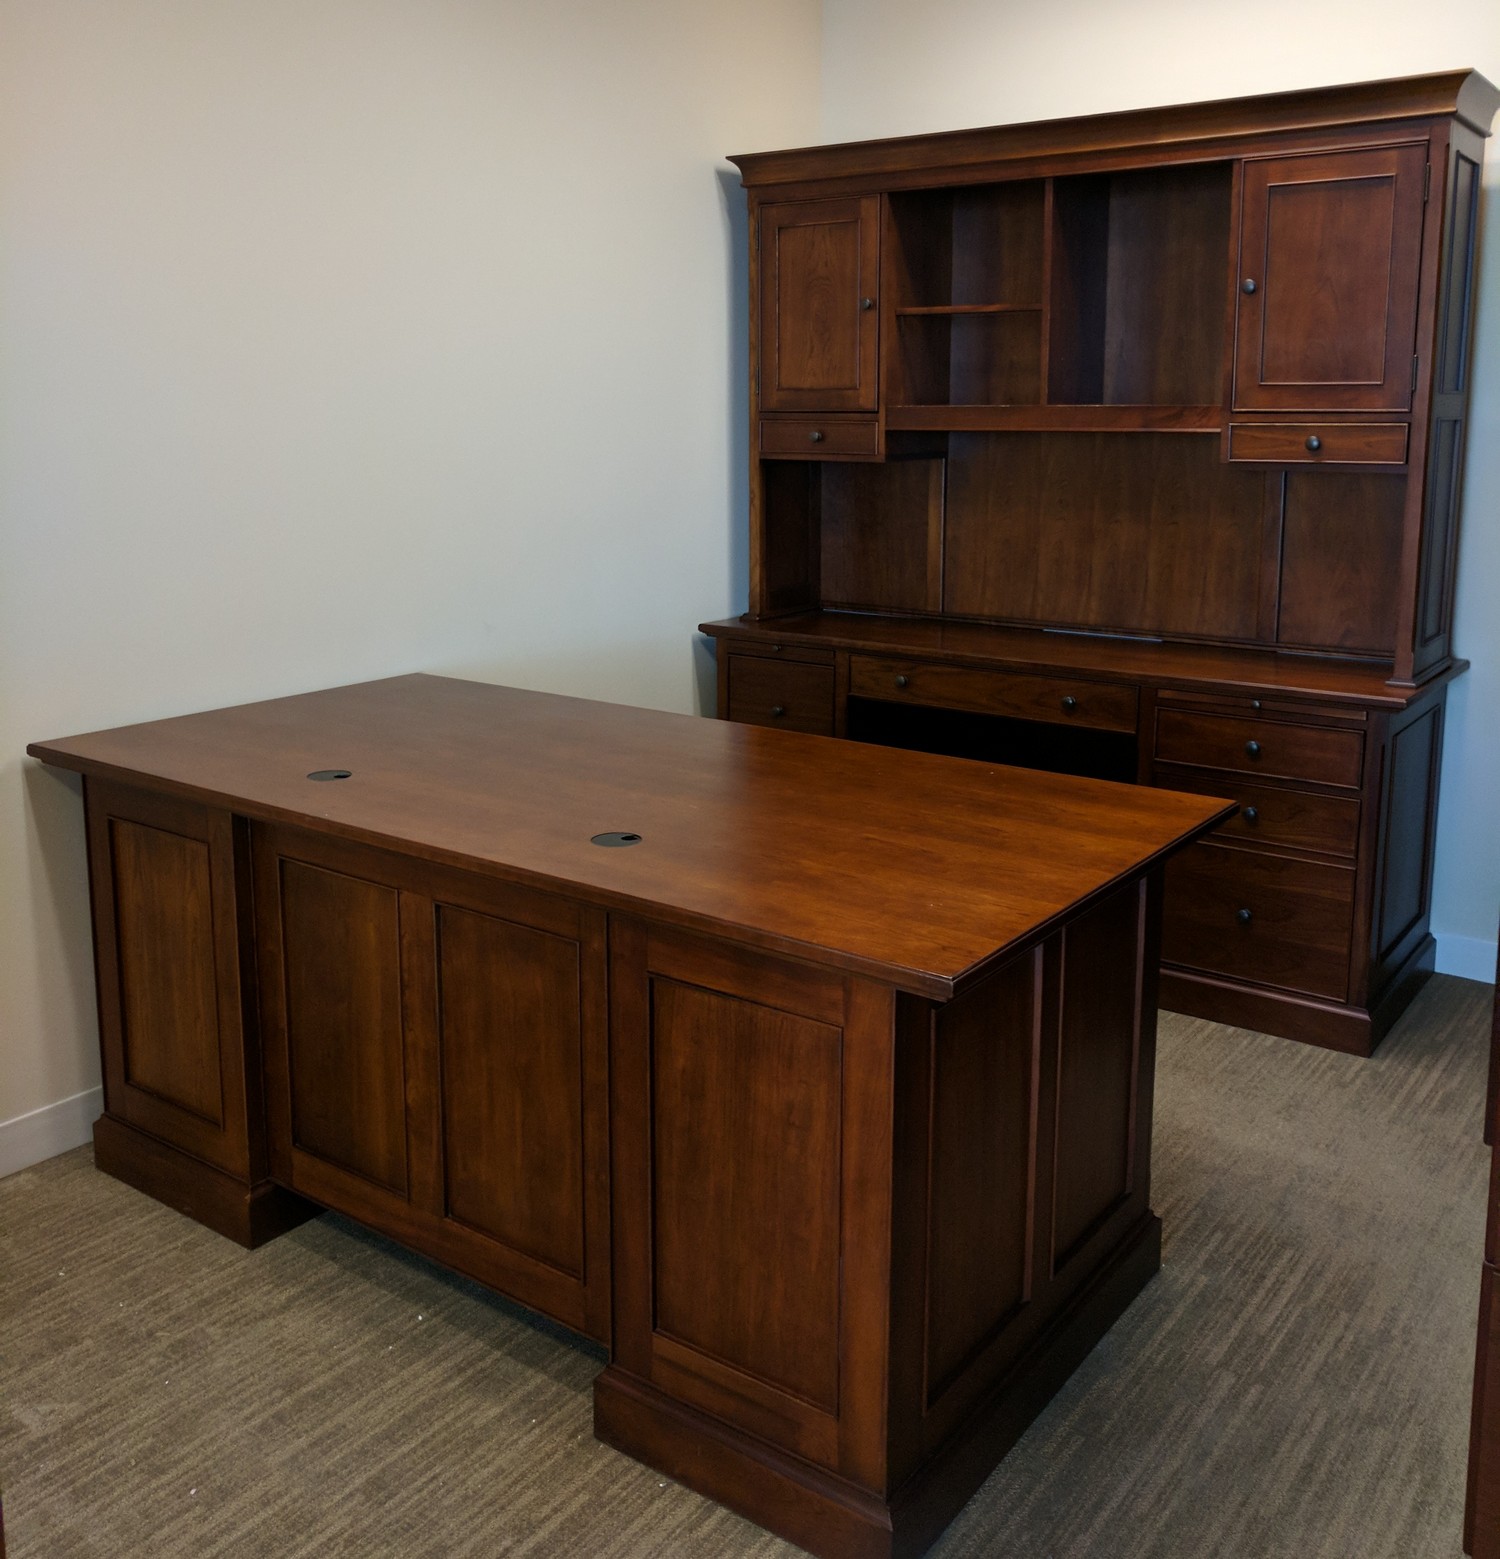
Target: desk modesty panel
[824, 1100]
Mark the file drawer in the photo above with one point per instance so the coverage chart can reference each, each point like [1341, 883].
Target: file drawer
[1260, 747]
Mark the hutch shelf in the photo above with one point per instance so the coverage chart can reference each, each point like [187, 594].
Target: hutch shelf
[1130, 446]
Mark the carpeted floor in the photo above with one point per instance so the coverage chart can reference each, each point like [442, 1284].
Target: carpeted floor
[1294, 1383]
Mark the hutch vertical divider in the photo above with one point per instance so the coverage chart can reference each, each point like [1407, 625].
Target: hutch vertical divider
[1130, 446]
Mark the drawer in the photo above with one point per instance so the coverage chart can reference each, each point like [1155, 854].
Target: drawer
[791, 694]
[1269, 747]
[1259, 917]
[1101, 706]
[1269, 815]
[769, 647]
[815, 438]
[1320, 443]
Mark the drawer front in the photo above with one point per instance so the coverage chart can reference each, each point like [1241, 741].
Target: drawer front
[1101, 706]
[767, 648]
[1262, 747]
[1268, 815]
[1260, 917]
[1320, 443]
[814, 438]
[790, 694]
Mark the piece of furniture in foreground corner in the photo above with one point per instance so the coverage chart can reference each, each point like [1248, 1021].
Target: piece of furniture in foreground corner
[820, 1090]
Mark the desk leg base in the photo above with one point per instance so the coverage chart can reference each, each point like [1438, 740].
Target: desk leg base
[823, 1513]
[245, 1213]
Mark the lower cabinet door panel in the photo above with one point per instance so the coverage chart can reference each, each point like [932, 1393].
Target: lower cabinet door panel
[1266, 918]
[436, 1063]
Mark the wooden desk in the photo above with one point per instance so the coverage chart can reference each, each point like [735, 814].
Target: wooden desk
[826, 1105]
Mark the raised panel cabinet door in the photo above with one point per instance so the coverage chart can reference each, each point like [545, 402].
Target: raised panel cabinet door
[166, 903]
[1330, 247]
[819, 273]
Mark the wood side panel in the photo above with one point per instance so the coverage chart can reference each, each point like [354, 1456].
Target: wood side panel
[164, 928]
[745, 1176]
[1097, 1070]
[1409, 818]
[512, 1068]
[981, 1183]
[341, 955]
[170, 905]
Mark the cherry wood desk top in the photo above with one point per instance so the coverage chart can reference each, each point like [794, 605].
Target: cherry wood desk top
[922, 870]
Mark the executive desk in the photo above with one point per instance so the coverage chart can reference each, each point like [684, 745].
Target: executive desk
[813, 1079]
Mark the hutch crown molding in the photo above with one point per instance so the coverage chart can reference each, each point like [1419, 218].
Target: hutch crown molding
[1130, 446]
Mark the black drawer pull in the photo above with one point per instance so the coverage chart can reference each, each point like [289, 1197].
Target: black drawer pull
[1314, 443]
[777, 710]
[816, 436]
[1250, 814]
[1069, 704]
[1252, 749]
[903, 681]
[1243, 916]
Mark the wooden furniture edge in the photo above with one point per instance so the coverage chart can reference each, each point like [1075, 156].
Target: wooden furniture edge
[250, 1215]
[1465, 94]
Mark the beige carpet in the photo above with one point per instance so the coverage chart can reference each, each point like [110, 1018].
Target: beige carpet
[1295, 1383]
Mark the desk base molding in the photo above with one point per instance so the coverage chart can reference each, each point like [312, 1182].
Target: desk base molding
[250, 1215]
[830, 1517]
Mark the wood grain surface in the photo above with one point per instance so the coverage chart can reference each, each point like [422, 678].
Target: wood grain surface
[924, 870]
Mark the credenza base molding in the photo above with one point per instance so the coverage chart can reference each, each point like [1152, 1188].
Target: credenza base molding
[827, 1515]
[1354, 1030]
[250, 1215]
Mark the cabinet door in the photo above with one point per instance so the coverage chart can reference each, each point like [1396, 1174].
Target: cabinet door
[436, 1066]
[1329, 254]
[819, 268]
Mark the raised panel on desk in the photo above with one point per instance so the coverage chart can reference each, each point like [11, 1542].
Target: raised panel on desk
[819, 264]
[1329, 252]
[167, 928]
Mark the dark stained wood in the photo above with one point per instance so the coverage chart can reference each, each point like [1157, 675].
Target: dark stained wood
[1320, 444]
[1174, 133]
[745, 831]
[819, 262]
[882, 535]
[985, 1064]
[785, 536]
[1273, 815]
[1403, 901]
[1101, 706]
[1095, 1149]
[1341, 543]
[1054, 419]
[1256, 916]
[170, 911]
[784, 693]
[1146, 534]
[1332, 246]
[745, 1176]
[342, 981]
[818, 438]
[1259, 747]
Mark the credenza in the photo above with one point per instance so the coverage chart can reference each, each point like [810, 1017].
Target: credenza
[813, 1079]
[1130, 446]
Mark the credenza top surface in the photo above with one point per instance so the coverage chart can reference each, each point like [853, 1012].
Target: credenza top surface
[919, 869]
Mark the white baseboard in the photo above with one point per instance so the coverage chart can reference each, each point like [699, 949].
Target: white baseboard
[45, 1133]
[1472, 957]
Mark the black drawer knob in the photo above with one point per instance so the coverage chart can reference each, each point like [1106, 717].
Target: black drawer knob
[1314, 443]
[776, 649]
[867, 304]
[1252, 749]
[903, 681]
[1248, 285]
[1069, 704]
[777, 710]
[1249, 814]
[816, 435]
[1243, 916]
